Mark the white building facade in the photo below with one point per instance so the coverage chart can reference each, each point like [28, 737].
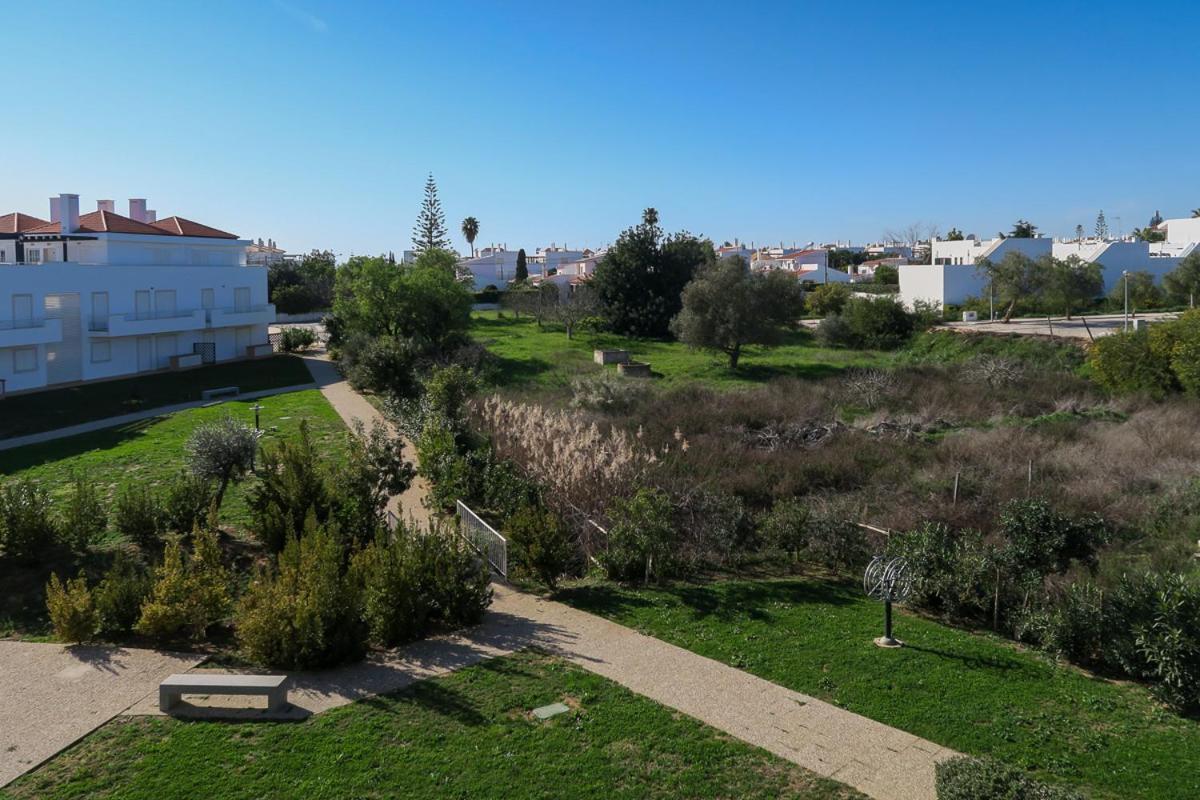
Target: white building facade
[100, 295]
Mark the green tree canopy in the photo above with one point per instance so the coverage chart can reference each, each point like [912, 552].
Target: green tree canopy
[640, 281]
[726, 307]
[470, 230]
[1072, 282]
[422, 302]
[522, 272]
[1144, 293]
[954, 235]
[430, 231]
[1183, 283]
[1023, 229]
[1013, 278]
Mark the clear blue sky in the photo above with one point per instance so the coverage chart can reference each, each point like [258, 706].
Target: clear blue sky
[315, 122]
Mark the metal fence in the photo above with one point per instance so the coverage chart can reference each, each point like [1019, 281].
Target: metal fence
[484, 538]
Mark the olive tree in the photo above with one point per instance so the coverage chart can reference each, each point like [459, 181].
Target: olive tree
[727, 307]
[222, 450]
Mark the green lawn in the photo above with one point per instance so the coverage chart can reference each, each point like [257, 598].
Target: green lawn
[151, 452]
[43, 411]
[529, 356]
[467, 735]
[973, 693]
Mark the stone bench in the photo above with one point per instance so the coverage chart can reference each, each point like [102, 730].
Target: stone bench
[175, 686]
[224, 391]
[634, 369]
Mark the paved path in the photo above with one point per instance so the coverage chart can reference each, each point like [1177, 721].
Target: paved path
[51, 695]
[879, 761]
[1084, 328]
[352, 406]
[125, 419]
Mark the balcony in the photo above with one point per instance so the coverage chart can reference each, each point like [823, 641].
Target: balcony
[236, 317]
[147, 323]
[27, 333]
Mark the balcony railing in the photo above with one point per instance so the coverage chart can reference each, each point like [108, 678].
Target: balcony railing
[29, 332]
[244, 315]
[141, 323]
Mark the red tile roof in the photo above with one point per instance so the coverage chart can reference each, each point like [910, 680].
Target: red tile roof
[19, 223]
[111, 222]
[179, 226]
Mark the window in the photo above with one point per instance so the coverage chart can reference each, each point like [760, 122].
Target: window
[3, 256]
[241, 299]
[25, 359]
[33, 256]
[101, 352]
[99, 312]
[22, 310]
[207, 299]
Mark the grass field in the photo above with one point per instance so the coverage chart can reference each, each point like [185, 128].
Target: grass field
[44, 411]
[467, 735]
[151, 452]
[969, 692]
[529, 356]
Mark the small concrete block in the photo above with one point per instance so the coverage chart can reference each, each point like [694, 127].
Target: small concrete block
[552, 710]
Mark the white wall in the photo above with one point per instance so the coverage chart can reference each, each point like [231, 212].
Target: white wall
[940, 284]
[1183, 231]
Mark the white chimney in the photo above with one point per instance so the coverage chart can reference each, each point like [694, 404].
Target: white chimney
[151, 216]
[106, 205]
[55, 214]
[68, 206]
[137, 209]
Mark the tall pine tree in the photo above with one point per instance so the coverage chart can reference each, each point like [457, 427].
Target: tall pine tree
[430, 231]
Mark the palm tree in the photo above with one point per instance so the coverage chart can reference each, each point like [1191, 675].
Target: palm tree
[1196, 212]
[470, 229]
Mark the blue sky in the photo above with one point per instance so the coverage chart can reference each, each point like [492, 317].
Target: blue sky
[316, 122]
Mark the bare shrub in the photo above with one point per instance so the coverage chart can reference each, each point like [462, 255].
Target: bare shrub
[870, 386]
[994, 370]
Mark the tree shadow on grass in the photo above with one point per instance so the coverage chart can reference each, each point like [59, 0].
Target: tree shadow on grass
[434, 697]
[34, 455]
[992, 663]
[517, 371]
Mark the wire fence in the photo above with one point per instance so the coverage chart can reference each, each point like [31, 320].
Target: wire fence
[484, 538]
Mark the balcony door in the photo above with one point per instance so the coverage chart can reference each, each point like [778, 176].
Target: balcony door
[22, 308]
[145, 353]
[164, 304]
[241, 299]
[64, 358]
[141, 304]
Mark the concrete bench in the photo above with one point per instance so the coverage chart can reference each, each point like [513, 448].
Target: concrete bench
[224, 391]
[175, 686]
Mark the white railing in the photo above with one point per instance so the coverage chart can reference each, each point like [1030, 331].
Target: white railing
[21, 324]
[484, 538]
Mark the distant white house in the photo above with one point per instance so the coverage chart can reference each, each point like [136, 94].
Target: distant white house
[953, 276]
[494, 266]
[100, 295]
[265, 254]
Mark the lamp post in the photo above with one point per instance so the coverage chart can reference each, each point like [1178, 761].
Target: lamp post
[1125, 275]
[257, 436]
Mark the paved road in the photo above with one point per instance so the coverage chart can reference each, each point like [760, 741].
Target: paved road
[1076, 328]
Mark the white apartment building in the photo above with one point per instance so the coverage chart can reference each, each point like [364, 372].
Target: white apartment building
[101, 295]
[952, 277]
[265, 254]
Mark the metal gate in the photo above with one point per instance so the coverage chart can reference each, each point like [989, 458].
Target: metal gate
[207, 352]
[484, 538]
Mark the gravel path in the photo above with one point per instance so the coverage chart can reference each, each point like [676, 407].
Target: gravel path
[51, 695]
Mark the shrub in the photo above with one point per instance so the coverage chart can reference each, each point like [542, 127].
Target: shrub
[395, 610]
[785, 528]
[72, 610]
[187, 597]
[879, 323]
[359, 490]
[456, 581]
[834, 331]
[120, 595]
[949, 567]
[452, 475]
[290, 486]
[1127, 362]
[26, 526]
[447, 390]
[714, 526]
[641, 538]
[187, 502]
[138, 516]
[82, 518]
[826, 299]
[1071, 625]
[294, 339]
[966, 778]
[836, 543]
[383, 364]
[606, 392]
[221, 451]
[1154, 632]
[304, 611]
[543, 543]
[506, 490]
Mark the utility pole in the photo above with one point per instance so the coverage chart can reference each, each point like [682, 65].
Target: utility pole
[1125, 275]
